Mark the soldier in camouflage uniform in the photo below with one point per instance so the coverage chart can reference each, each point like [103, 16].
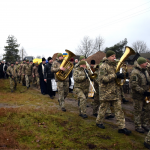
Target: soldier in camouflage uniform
[35, 74]
[63, 86]
[17, 68]
[27, 71]
[81, 86]
[80, 59]
[12, 72]
[21, 73]
[96, 102]
[109, 92]
[139, 82]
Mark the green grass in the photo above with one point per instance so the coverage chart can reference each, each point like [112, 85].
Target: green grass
[32, 127]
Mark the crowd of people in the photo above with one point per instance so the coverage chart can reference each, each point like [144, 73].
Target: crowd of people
[108, 92]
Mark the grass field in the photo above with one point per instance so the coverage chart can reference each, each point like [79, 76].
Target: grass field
[29, 120]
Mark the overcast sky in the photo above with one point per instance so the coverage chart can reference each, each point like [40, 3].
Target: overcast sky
[45, 27]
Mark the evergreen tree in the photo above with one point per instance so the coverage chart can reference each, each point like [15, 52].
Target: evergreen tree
[11, 50]
[118, 48]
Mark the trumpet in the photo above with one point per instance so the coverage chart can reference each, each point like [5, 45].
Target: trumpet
[94, 75]
[90, 81]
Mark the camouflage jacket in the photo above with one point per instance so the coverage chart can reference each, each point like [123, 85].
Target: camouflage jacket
[35, 71]
[17, 68]
[55, 68]
[108, 88]
[12, 71]
[79, 77]
[76, 65]
[27, 69]
[139, 81]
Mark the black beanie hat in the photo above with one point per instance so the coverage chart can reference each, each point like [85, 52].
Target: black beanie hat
[93, 62]
[43, 59]
[49, 58]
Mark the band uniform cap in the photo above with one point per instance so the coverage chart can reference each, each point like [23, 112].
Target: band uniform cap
[110, 53]
[43, 59]
[82, 57]
[27, 60]
[59, 55]
[141, 60]
[82, 63]
[93, 62]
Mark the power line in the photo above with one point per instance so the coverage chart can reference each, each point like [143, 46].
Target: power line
[118, 20]
[122, 13]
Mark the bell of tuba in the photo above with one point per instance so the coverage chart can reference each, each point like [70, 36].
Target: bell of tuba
[128, 52]
[62, 75]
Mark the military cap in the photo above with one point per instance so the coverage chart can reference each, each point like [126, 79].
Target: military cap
[141, 60]
[59, 54]
[27, 60]
[82, 63]
[81, 57]
[109, 53]
[11, 62]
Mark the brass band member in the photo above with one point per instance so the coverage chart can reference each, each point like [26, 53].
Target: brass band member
[63, 86]
[81, 87]
[12, 72]
[139, 82]
[109, 93]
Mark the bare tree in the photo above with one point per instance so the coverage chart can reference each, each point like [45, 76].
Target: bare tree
[140, 47]
[23, 53]
[86, 48]
[98, 43]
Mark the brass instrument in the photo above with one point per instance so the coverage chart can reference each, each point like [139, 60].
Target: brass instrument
[93, 75]
[62, 75]
[90, 81]
[128, 52]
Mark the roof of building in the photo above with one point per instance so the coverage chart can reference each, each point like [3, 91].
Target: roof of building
[97, 57]
[145, 55]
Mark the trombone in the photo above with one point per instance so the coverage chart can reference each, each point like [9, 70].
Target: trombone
[94, 75]
[90, 81]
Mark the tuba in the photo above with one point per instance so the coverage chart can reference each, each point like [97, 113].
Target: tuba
[62, 75]
[128, 52]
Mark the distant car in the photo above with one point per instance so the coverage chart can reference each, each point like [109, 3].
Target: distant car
[30, 58]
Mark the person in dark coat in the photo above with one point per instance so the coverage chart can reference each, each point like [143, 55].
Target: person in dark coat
[43, 84]
[71, 76]
[48, 76]
[1, 70]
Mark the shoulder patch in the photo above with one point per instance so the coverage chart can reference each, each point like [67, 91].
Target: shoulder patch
[134, 78]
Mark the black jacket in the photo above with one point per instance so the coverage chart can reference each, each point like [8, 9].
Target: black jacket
[47, 72]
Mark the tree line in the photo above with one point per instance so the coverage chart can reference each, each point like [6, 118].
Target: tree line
[87, 47]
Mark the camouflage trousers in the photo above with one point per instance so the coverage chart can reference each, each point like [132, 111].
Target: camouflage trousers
[13, 83]
[82, 98]
[147, 138]
[63, 90]
[22, 79]
[96, 102]
[36, 80]
[118, 112]
[141, 112]
[28, 80]
[108, 111]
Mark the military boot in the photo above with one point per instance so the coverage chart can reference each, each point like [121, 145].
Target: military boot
[146, 128]
[95, 114]
[124, 100]
[147, 145]
[101, 126]
[140, 130]
[83, 116]
[125, 131]
[63, 109]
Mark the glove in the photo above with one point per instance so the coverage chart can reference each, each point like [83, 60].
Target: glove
[120, 75]
[146, 93]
